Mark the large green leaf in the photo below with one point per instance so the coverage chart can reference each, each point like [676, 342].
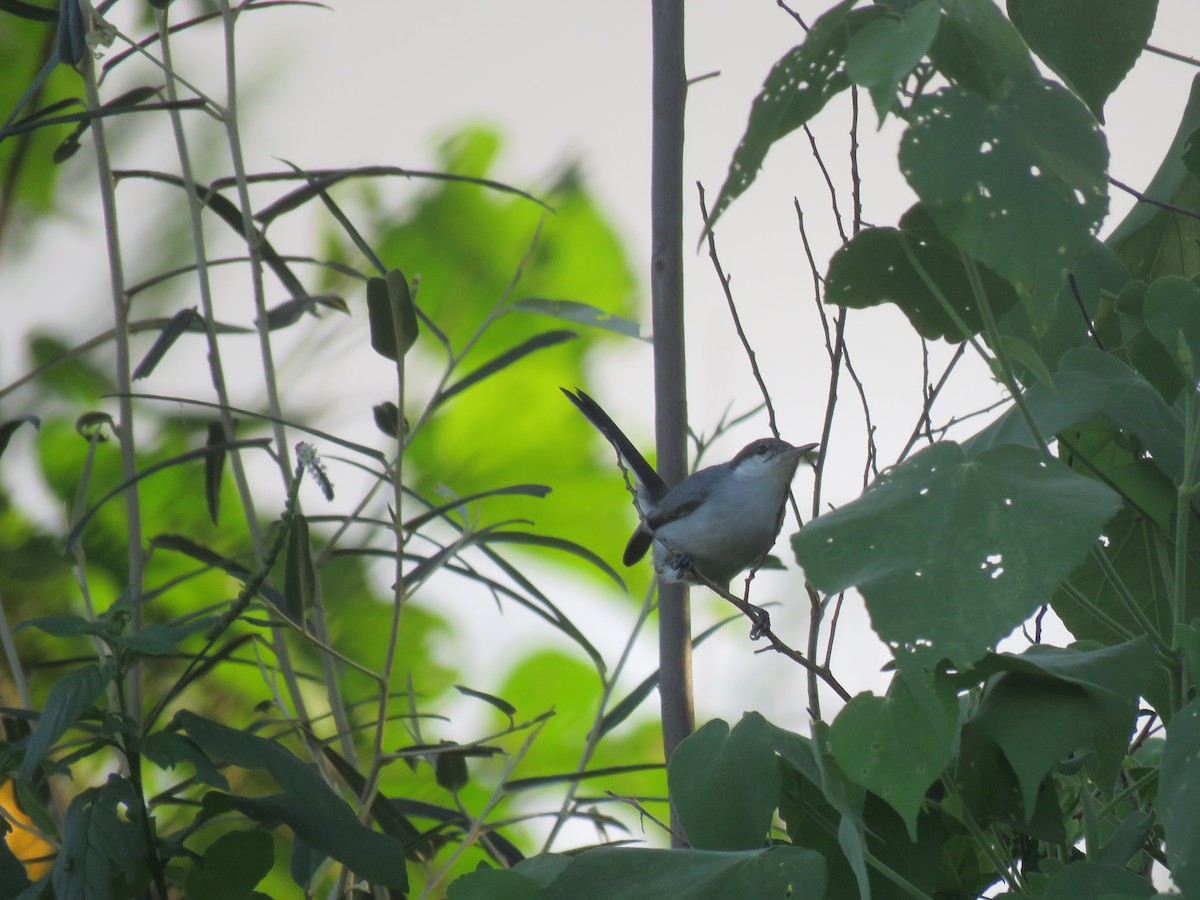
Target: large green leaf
[309, 806]
[894, 746]
[1090, 44]
[979, 166]
[1049, 703]
[1084, 880]
[725, 784]
[797, 88]
[883, 54]
[875, 268]
[614, 873]
[1179, 797]
[1172, 312]
[978, 49]
[955, 552]
[1151, 240]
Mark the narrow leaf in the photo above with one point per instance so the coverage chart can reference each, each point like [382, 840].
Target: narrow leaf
[177, 326]
[581, 314]
[198, 551]
[7, 428]
[504, 360]
[524, 784]
[299, 577]
[501, 704]
[555, 543]
[214, 468]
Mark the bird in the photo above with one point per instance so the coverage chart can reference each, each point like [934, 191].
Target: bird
[717, 522]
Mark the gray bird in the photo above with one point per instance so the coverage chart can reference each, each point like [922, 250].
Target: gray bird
[719, 521]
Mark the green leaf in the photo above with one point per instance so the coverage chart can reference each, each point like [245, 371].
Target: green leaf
[895, 746]
[1127, 839]
[69, 698]
[309, 807]
[392, 315]
[166, 749]
[978, 49]
[494, 884]
[299, 576]
[162, 639]
[7, 428]
[977, 165]
[1050, 703]
[232, 866]
[1179, 797]
[1084, 880]
[875, 268]
[180, 322]
[998, 532]
[884, 53]
[102, 854]
[1091, 383]
[580, 314]
[1153, 241]
[725, 784]
[1090, 44]
[797, 88]
[621, 873]
[1172, 312]
[450, 767]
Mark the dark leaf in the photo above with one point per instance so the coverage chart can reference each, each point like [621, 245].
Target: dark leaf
[179, 323]
[504, 360]
[166, 749]
[232, 866]
[308, 806]
[290, 311]
[214, 467]
[387, 418]
[102, 853]
[525, 784]
[197, 551]
[451, 767]
[392, 316]
[503, 705]
[69, 698]
[299, 577]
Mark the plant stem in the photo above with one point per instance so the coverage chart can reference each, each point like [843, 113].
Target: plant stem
[125, 429]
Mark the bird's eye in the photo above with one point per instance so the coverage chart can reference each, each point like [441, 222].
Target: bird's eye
[762, 449]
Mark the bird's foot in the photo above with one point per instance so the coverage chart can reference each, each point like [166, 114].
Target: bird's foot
[762, 622]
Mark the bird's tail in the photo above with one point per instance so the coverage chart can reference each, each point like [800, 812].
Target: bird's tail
[649, 481]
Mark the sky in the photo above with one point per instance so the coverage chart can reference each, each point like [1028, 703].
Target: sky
[380, 81]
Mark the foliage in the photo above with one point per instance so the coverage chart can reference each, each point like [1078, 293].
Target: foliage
[209, 679]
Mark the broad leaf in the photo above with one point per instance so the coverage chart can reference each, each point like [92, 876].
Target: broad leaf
[955, 552]
[978, 49]
[875, 267]
[1090, 44]
[979, 165]
[894, 746]
[1172, 313]
[883, 54]
[797, 88]
[725, 784]
[1179, 797]
[1153, 241]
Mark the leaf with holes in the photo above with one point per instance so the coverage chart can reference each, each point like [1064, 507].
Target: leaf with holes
[955, 552]
[881, 56]
[979, 166]
[797, 88]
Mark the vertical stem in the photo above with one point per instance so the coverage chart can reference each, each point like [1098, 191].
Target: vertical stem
[254, 246]
[120, 303]
[670, 394]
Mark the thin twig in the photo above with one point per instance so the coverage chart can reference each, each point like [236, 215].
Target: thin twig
[1162, 204]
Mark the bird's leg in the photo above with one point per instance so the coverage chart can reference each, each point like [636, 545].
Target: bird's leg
[756, 614]
[761, 618]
